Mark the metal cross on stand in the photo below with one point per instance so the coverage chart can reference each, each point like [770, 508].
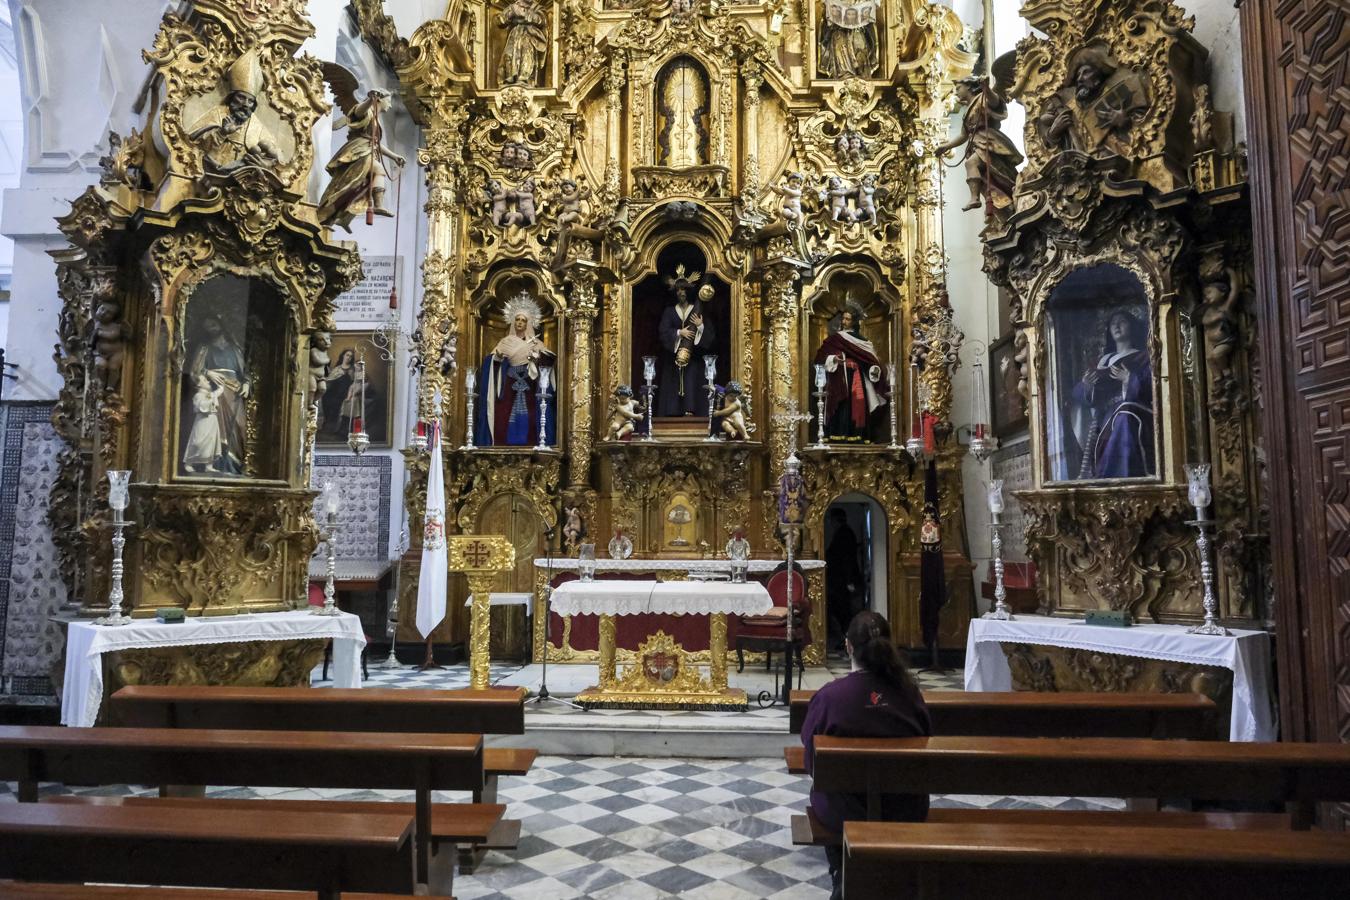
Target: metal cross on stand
[789, 418]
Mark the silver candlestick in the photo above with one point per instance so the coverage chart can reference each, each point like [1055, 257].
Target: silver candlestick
[329, 536]
[895, 431]
[648, 375]
[391, 625]
[117, 500]
[470, 383]
[1000, 610]
[545, 377]
[821, 393]
[1197, 476]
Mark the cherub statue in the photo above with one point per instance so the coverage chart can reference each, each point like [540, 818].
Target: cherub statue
[866, 198]
[791, 192]
[497, 195]
[1219, 319]
[837, 192]
[624, 413]
[358, 168]
[524, 197]
[573, 529]
[570, 201]
[110, 336]
[319, 344]
[731, 413]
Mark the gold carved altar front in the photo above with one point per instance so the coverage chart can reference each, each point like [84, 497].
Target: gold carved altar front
[591, 163]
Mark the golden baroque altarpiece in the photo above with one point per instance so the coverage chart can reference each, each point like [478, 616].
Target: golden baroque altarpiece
[775, 160]
[197, 290]
[1130, 223]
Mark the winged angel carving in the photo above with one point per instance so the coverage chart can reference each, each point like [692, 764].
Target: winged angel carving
[358, 169]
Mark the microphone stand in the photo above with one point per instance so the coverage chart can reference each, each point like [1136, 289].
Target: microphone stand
[543, 693]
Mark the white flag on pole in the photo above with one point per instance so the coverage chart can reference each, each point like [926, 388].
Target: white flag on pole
[435, 565]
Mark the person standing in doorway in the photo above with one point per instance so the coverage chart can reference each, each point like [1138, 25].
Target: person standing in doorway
[843, 577]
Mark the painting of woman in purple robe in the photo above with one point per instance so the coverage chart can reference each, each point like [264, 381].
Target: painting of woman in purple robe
[1112, 405]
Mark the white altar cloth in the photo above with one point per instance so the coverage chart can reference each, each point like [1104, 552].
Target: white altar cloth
[82, 693]
[757, 566]
[1246, 654]
[629, 598]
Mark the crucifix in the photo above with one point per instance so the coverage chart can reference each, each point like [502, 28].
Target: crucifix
[789, 418]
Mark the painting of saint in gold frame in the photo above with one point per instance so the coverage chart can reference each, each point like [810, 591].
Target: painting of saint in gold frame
[340, 403]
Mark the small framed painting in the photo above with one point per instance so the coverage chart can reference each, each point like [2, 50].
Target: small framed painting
[339, 402]
[1009, 406]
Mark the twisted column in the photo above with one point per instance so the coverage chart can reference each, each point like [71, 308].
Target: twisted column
[581, 312]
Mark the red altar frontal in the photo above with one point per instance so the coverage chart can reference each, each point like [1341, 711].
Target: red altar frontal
[576, 639]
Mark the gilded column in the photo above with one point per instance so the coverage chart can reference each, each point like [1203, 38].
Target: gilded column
[614, 82]
[717, 651]
[779, 296]
[581, 312]
[480, 585]
[437, 321]
[608, 640]
[753, 79]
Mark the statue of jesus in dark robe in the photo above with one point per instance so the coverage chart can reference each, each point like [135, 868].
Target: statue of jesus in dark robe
[686, 335]
[856, 385]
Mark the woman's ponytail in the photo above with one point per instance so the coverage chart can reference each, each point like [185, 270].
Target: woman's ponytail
[870, 635]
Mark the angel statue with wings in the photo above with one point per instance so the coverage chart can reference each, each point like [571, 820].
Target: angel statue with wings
[358, 169]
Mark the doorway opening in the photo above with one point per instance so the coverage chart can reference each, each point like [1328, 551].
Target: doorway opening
[855, 563]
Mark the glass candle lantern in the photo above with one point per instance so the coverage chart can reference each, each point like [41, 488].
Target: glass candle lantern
[649, 369]
[545, 378]
[710, 368]
[330, 498]
[470, 380]
[586, 562]
[1197, 487]
[996, 496]
[820, 376]
[118, 479]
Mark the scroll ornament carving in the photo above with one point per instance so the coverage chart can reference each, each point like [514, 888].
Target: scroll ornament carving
[476, 479]
[205, 549]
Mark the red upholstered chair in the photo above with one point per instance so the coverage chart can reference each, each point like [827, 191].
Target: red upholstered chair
[768, 632]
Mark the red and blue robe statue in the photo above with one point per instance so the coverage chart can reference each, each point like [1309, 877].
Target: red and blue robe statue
[856, 386]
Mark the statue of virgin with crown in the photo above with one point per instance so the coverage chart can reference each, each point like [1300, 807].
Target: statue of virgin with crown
[508, 382]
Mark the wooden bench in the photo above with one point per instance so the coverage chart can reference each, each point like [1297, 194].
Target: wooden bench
[886, 861]
[326, 854]
[1050, 714]
[417, 762]
[26, 890]
[490, 711]
[1296, 775]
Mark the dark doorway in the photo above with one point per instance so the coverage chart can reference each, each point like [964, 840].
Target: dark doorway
[855, 559]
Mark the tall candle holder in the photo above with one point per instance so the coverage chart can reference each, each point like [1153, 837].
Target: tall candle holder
[117, 502]
[545, 379]
[982, 444]
[1000, 610]
[1198, 492]
[820, 409]
[391, 620]
[914, 445]
[357, 438]
[470, 389]
[895, 412]
[710, 373]
[328, 535]
[648, 375]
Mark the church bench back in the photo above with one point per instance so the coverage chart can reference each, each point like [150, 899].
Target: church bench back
[218, 848]
[492, 711]
[957, 862]
[1297, 774]
[1036, 714]
[17, 890]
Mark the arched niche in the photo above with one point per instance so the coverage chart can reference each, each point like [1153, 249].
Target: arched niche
[1098, 377]
[683, 105]
[236, 345]
[654, 293]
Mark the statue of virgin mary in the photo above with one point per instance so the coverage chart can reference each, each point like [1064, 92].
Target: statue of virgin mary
[508, 382]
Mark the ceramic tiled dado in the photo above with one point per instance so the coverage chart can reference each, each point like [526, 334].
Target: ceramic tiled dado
[363, 485]
[30, 588]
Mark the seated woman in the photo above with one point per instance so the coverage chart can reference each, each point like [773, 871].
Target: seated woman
[879, 698]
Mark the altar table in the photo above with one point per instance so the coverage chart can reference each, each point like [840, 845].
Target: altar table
[82, 693]
[1245, 653]
[662, 675]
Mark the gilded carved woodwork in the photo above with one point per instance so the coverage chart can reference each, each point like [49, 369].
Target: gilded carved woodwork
[1131, 173]
[243, 664]
[206, 222]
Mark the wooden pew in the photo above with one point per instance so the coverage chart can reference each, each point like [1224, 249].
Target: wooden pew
[491, 711]
[27, 890]
[1051, 714]
[418, 762]
[886, 861]
[1297, 775]
[326, 854]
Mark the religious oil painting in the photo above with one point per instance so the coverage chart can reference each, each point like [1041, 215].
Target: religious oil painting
[1100, 409]
[1009, 407]
[341, 403]
[234, 344]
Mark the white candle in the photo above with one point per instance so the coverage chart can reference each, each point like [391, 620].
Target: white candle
[470, 380]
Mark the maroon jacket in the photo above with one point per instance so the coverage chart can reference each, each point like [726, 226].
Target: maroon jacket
[862, 705]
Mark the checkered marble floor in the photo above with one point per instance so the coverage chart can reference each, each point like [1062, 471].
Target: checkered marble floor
[631, 829]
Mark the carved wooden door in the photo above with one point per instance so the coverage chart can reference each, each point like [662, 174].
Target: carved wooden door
[514, 516]
[1297, 87]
